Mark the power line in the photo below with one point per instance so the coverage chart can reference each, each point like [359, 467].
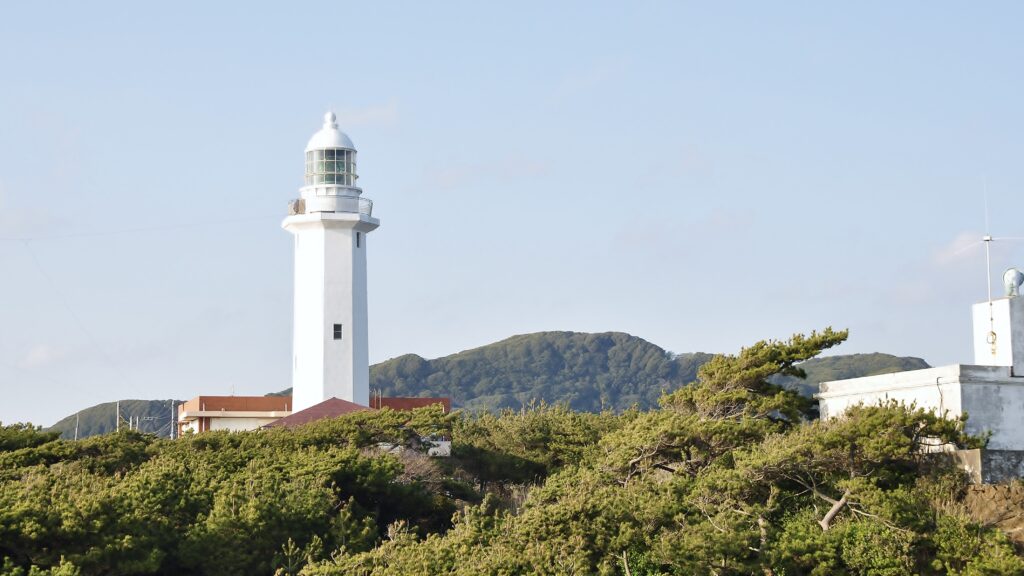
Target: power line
[134, 230]
[71, 312]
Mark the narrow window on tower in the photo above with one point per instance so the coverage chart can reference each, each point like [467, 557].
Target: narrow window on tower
[337, 331]
[359, 239]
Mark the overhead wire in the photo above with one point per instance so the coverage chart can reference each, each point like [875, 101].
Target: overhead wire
[26, 241]
[180, 226]
[71, 311]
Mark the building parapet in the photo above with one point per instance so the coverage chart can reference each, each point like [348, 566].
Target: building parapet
[926, 377]
[190, 414]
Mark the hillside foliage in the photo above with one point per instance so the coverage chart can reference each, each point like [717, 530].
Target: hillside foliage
[726, 476]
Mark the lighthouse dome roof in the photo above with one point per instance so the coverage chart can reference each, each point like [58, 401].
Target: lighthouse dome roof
[329, 136]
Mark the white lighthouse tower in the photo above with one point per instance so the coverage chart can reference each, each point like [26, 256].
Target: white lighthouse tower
[330, 221]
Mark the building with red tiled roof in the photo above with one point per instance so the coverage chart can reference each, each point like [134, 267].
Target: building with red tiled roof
[239, 413]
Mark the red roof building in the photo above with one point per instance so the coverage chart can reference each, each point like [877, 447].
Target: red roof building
[233, 413]
[238, 413]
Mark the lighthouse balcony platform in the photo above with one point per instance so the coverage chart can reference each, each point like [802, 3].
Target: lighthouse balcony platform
[331, 203]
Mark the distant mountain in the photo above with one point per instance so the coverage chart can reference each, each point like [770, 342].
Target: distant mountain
[588, 372]
[153, 416]
[846, 366]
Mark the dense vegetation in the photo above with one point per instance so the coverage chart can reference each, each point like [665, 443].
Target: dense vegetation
[726, 476]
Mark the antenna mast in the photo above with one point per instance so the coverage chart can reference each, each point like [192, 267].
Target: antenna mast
[987, 239]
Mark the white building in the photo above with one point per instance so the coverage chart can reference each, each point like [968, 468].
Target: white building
[990, 391]
[330, 222]
[231, 413]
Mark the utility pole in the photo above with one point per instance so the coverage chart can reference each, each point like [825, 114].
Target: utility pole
[76, 425]
[117, 418]
[174, 423]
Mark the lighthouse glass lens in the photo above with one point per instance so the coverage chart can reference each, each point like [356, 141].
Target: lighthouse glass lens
[334, 166]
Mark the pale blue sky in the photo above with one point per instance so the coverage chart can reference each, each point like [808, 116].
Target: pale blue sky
[700, 175]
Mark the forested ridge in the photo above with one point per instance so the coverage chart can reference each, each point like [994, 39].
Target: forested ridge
[728, 476]
[587, 372]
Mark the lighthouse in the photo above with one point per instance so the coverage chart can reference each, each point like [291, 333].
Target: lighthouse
[330, 222]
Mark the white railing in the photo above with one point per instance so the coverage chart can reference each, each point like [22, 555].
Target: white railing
[332, 203]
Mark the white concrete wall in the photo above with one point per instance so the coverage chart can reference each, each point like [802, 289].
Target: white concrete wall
[239, 424]
[997, 408]
[308, 314]
[991, 397]
[230, 423]
[934, 389]
[330, 288]
[1007, 322]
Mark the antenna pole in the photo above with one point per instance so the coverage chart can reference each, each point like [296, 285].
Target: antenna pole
[988, 266]
[988, 278]
[987, 239]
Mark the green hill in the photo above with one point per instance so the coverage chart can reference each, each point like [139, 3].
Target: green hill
[586, 371]
[154, 416]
